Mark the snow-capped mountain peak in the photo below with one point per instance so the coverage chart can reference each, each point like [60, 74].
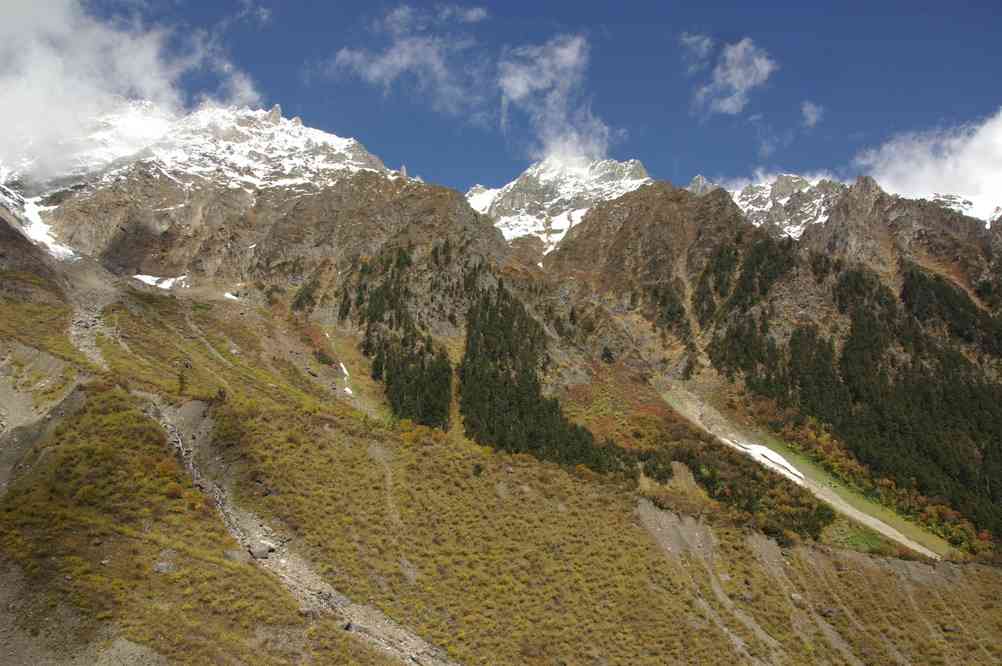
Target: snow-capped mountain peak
[553, 195]
[244, 147]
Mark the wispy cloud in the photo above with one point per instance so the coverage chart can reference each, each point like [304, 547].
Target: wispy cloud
[812, 113]
[546, 82]
[769, 138]
[61, 66]
[256, 12]
[964, 160]
[541, 86]
[696, 51]
[741, 68]
[462, 14]
[425, 48]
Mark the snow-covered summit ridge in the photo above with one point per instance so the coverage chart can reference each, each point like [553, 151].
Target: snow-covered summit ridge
[785, 203]
[788, 203]
[242, 146]
[552, 195]
[978, 208]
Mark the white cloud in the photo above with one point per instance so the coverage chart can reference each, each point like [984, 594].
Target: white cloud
[254, 11]
[462, 14]
[964, 160]
[697, 50]
[741, 68]
[769, 138]
[812, 113]
[60, 67]
[422, 48]
[542, 84]
[546, 82]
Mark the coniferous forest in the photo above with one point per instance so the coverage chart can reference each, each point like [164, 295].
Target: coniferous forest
[503, 406]
[501, 397]
[909, 405]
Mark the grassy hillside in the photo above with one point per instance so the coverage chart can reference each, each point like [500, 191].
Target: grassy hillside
[500, 557]
[108, 524]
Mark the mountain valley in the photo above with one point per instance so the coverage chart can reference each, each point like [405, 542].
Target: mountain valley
[264, 400]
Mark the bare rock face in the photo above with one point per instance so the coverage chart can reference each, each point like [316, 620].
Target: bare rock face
[636, 236]
[530, 250]
[879, 230]
[147, 223]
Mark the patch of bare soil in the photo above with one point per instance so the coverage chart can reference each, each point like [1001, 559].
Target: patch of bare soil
[685, 538]
[33, 636]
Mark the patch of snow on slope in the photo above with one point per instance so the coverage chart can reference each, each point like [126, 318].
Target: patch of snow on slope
[11, 200]
[769, 458]
[40, 232]
[162, 282]
[481, 198]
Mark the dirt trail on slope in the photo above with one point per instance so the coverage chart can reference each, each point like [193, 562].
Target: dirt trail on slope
[189, 430]
[708, 418]
[90, 289]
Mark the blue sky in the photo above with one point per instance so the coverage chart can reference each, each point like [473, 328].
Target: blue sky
[465, 93]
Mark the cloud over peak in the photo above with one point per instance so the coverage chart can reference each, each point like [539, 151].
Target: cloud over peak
[61, 67]
[425, 48]
[964, 160]
[546, 82]
[539, 85]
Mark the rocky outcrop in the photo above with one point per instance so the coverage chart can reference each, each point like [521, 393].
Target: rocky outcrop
[699, 186]
[879, 230]
[150, 225]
